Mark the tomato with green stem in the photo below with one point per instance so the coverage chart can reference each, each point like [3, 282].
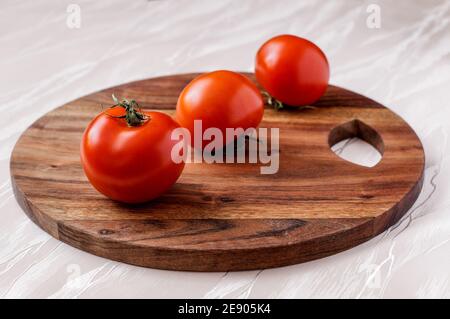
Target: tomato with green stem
[126, 153]
[294, 71]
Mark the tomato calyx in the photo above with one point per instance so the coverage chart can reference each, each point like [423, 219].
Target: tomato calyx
[270, 100]
[278, 105]
[133, 114]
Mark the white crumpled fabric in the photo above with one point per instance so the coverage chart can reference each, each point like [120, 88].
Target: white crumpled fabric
[404, 64]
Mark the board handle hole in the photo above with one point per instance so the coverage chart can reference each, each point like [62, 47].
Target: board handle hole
[357, 142]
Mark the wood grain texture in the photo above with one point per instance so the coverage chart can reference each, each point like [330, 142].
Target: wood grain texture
[221, 217]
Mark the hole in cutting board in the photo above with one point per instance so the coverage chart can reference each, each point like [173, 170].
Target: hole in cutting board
[357, 151]
[357, 143]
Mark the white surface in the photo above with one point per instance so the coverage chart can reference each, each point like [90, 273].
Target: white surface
[405, 65]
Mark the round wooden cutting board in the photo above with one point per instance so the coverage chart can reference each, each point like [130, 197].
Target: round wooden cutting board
[221, 217]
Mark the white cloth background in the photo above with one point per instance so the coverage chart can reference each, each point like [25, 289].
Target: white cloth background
[404, 64]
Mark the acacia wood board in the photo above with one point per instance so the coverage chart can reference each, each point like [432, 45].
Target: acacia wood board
[221, 217]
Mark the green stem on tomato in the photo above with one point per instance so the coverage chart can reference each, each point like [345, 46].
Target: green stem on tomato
[133, 114]
[278, 105]
[270, 100]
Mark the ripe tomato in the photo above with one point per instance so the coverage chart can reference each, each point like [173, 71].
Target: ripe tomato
[130, 162]
[220, 99]
[293, 70]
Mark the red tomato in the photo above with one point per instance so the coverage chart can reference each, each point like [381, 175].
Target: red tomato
[293, 70]
[221, 99]
[130, 162]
